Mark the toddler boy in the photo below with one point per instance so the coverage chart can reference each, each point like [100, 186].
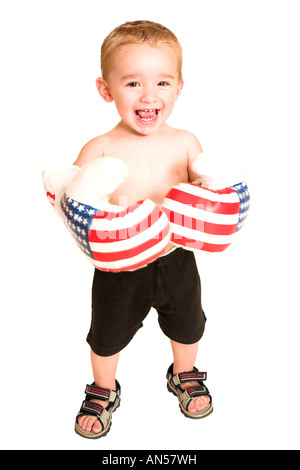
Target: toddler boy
[141, 73]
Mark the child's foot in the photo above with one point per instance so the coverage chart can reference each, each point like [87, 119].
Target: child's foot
[94, 418]
[198, 403]
[194, 398]
[91, 423]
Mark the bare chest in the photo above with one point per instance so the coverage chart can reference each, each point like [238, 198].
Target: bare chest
[150, 175]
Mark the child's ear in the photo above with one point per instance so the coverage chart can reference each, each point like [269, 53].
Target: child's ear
[179, 88]
[103, 90]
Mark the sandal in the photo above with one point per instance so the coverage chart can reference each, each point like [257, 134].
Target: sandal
[186, 396]
[103, 415]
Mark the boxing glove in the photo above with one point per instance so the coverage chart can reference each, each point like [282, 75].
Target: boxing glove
[113, 238]
[207, 218]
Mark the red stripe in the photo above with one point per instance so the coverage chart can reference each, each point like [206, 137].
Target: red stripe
[191, 374]
[198, 245]
[199, 225]
[99, 390]
[110, 236]
[132, 267]
[97, 407]
[135, 251]
[52, 197]
[203, 203]
[215, 191]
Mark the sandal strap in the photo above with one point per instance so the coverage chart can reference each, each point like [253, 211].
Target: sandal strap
[94, 409]
[197, 391]
[91, 407]
[104, 394]
[192, 376]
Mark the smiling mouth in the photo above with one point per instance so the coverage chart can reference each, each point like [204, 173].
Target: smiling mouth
[147, 115]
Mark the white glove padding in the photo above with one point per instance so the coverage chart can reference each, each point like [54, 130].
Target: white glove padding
[112, 238]
[55, 181]
[96, 181]
[204, 220]
[215, 172]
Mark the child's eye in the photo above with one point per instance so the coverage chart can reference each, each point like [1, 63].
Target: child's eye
[133, 84]
[163, 84]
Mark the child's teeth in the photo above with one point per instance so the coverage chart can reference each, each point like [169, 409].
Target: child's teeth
[147, 114]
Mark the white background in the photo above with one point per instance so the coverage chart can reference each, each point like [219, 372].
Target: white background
[241, 97]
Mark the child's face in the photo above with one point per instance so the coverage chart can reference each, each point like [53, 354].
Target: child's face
[144, 83]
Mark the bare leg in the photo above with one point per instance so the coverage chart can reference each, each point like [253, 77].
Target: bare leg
[104, 371]
[184, 361]
[184, 356]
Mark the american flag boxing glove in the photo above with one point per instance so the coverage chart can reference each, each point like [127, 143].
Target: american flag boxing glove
[203, 219]
[111, 237]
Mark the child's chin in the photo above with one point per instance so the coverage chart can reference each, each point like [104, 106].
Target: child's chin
[147, 127]
[147, 131]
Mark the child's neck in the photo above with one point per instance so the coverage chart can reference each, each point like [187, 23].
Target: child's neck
[123, 131]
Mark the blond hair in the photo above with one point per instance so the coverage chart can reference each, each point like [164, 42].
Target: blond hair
[138, 32]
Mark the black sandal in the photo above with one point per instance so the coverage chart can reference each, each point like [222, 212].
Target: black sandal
[186, 396]
[104, 415]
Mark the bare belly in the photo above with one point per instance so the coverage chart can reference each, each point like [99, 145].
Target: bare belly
[168, 248]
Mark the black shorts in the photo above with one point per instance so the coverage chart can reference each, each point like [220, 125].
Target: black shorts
[121, 301]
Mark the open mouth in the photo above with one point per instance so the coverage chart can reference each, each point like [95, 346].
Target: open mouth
[147, 115]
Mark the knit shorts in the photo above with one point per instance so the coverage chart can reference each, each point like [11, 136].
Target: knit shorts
[121, 301]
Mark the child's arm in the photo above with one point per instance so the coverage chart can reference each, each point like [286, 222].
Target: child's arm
[193, 149]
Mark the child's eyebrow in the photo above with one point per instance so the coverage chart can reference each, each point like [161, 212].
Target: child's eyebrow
[162, 75]
[128, 77]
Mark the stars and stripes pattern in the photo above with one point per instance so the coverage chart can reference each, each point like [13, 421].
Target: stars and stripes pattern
[77, 218]
[122, 241]
[206, 220]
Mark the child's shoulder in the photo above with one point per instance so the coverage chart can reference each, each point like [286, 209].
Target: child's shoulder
[189, 140]
[91, 150]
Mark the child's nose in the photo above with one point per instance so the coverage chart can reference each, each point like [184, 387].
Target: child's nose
[148, 95]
